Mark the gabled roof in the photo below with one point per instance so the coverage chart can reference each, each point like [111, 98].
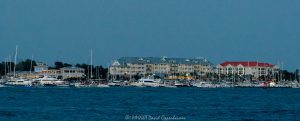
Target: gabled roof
[247, 64]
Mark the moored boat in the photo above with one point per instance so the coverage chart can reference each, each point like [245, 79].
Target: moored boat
[52, 81]
[18, 82]
[148, 82]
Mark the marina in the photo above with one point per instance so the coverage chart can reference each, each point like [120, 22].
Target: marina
[148, 72]
[149, 60]
[144, 82]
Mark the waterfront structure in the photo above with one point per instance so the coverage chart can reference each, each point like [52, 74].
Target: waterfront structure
[72, 72]
[50, 73]
[252, 68]
[27, 74]
[62, 73]
[130, 66]
[40, 67]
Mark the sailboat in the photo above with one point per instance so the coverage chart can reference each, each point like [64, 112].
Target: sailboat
[113, 82]
[90, 78]
[14, 81]
[99, 84]
[2, 80]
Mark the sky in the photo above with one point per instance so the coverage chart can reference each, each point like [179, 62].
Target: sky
[219, 30]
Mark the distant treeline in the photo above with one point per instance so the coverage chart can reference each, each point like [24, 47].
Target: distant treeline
[28, 65]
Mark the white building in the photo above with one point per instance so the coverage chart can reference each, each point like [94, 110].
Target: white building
[256, 69]
[72, 72]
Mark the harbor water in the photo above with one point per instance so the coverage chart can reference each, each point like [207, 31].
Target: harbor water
[122, 103]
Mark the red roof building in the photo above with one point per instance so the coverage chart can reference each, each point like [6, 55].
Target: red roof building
[247, 64]
[256, 69]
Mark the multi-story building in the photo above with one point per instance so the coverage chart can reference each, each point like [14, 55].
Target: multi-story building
[156, 65]
[51, 73]
[64, 73]
[72, 72]
[255, 69]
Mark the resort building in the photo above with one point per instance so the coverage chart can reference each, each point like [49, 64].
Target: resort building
[255, 69]
[159, 66]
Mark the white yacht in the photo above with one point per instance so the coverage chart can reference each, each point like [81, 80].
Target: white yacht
[18, 82]
[52, 81]
[14, 81]
[147, 82]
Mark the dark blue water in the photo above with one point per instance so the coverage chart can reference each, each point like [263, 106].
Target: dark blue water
[68, 104]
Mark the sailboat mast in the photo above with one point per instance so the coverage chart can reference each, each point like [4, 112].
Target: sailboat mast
[10, 61]
[5, 66]
[15, 61]
[91, 64]
[31, 64]
[107, 75]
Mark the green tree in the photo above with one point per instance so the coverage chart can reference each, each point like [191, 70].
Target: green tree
[58, 65]
[25, 65]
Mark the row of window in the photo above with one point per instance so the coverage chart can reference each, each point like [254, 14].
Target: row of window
[73, 71]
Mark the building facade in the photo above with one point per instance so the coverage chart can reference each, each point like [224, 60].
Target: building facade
[72, 72]
[255, 69]
[159, 65]
[40, 67]
[64, 73]
[51, 73]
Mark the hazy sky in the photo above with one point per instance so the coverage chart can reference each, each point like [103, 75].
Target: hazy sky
[220, 30]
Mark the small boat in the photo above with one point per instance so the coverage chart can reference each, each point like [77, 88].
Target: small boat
[264, 85]
[2, 81]
[181, 84]
[102, 86]
[202, 84]
[114, 84]
[81, 85]
[167, 86]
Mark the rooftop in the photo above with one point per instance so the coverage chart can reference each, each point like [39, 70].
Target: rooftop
[247, 64]
[159, 60]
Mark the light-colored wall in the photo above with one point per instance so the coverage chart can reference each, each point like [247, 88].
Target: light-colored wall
[164, 68]
[255, 71]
